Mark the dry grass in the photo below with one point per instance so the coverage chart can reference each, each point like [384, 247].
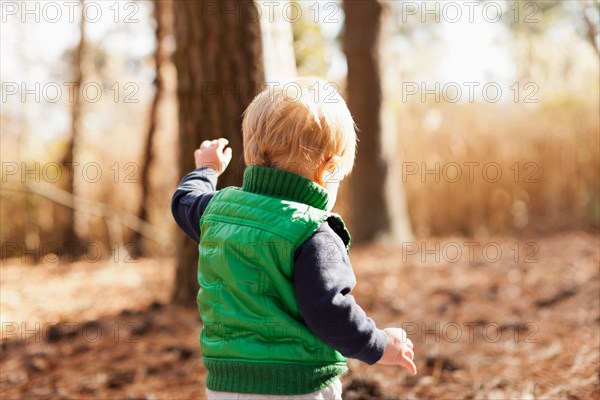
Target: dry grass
[548, 157]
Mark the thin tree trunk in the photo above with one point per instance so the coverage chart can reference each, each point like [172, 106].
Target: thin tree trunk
[277, 40]
[592, 29]
[219, 71]
[70, 241]
[161, 14]
[375, 192]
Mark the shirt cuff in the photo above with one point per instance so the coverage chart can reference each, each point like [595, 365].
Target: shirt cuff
[375, 349]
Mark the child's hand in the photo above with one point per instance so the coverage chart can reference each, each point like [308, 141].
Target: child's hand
[399, 350]
[214, 155]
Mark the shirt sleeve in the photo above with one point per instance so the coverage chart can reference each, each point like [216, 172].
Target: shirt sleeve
[324, 279]
[190, 199]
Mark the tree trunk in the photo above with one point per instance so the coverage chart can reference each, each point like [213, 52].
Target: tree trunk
[162, 9]
[67, 235]
[592, 29]
[219, 71]
[376, 196]
[277, 39]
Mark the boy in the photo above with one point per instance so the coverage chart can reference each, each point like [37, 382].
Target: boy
[275, 278]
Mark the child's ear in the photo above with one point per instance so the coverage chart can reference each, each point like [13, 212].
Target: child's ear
[330, 171]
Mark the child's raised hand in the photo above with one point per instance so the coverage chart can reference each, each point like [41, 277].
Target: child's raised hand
[214, 155]
[399, 350]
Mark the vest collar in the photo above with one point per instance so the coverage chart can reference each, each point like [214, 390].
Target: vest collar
[286, 185]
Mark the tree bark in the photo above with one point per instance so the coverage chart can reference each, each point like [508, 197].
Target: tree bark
[376, 196]
[219, 71]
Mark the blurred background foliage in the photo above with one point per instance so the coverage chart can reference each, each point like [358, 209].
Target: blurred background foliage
[547, 150]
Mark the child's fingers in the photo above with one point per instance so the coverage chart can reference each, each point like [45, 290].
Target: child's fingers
[227, 154]
[409, 364]
[410, 353]
[221, 143]
[205, 144]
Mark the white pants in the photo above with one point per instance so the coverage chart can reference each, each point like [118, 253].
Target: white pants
[331, 392]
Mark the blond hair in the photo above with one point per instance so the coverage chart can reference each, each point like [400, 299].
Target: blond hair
[297, 126]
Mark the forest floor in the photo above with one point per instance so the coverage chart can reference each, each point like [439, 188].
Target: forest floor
[523, 325]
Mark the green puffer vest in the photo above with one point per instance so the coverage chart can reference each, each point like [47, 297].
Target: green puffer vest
[254, 339]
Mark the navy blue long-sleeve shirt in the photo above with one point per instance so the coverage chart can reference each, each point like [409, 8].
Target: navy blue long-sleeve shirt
[323, 276]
